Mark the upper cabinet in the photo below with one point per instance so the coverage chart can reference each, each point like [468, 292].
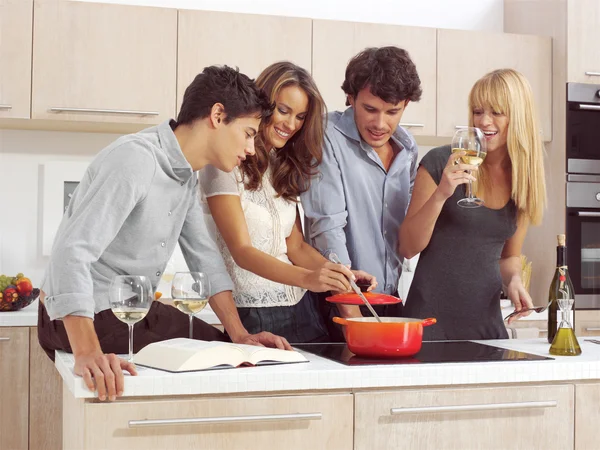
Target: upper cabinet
[103, 63]
[250, 42]
[583, 40]
[15, 58]
[465, 56]
[335, 43]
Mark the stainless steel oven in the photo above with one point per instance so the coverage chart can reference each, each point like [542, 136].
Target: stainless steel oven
[583, 192]
[583, 238]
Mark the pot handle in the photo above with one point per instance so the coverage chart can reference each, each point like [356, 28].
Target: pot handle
[427, 322]
[340, 320]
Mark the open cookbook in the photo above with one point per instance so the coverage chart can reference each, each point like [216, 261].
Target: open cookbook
[188, 355]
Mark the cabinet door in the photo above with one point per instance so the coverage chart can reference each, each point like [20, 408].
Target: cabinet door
[45, 399]
[583, 36]
[587, 411]
[15, 58]
[465, 56]
[335, 43]
[587, 323]
[291, 422]
[250, 42]
[488, 418]
[14, 387]
[103, 63]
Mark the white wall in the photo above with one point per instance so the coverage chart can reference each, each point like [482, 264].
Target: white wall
[23, 152]
[459, 14]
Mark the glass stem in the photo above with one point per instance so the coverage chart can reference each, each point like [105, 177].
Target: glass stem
[130, 325]
[470, 189]
[191, 326]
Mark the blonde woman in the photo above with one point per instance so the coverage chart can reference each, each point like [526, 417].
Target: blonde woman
[255, 212]
[467, 255]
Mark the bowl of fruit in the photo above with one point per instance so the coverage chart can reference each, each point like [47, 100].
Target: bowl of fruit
[16, 292]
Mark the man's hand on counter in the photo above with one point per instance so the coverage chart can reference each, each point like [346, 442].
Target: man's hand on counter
[103, 372]
[263, 339]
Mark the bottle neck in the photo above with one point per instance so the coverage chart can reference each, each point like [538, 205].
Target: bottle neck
[561, 257]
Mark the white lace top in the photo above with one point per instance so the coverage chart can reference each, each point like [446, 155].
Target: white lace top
[270, 220]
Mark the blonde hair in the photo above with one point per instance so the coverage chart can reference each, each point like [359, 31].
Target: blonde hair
[508, 92]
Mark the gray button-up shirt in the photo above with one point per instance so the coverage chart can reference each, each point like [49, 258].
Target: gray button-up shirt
[138, 197]
[354, 207]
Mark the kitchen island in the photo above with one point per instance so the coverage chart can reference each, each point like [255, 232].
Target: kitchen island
[323, 404]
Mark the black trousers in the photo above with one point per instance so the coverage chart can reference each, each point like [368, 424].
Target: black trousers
[161, 323]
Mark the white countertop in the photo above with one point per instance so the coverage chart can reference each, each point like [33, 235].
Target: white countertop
[323, 374]
[26, 317]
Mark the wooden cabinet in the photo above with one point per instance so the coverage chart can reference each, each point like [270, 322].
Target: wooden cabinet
[14, 388]
[290, 422]
[465, 56]
[587, 323]
[335, 43]
[583, 36]
[250, 42]
[587, 411]
[103, 63]
[15, 58]
[490, 418]
[45, 399]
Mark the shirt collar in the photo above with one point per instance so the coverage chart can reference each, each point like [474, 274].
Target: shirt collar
[169, 143]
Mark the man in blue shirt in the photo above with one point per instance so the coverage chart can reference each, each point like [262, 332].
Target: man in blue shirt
[359, 197]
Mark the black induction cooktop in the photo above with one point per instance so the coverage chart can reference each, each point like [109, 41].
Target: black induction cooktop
[431, 352]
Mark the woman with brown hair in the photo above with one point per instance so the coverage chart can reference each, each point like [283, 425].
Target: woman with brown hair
[258, 227]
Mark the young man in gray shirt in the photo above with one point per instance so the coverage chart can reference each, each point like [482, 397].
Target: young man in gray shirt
[137, 199]
[358, 200]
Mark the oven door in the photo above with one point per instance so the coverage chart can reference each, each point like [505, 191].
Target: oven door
[583, 241]
[583, 128]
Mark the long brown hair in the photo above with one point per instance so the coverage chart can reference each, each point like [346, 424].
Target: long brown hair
[508, 91]
[292, 165]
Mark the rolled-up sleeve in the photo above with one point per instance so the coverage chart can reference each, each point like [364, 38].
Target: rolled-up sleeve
[200, 250]
[324, 206]
[95, 215]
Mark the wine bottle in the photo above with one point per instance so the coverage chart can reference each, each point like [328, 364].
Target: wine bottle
[561, 287]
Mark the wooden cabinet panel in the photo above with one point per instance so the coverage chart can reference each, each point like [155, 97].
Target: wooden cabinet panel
[15, 58]
[465, 56]
[587, 411]
[109, 426]
[14, 388]
[250, 42]
[490, 418]
[583, 36]
[335, 43]
[103, 63]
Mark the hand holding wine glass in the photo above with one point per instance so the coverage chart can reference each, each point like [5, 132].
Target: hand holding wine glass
[190, 292]
[470, 143]
[130, 300]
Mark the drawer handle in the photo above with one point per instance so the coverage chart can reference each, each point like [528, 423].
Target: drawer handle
[413, 125]
[588, 214]
[593, 329]
[590, 107]
[593, 74]
[4, 339]
[5, 106]
[460, 127]
[105, 111]
[486, 407]
[218, 420]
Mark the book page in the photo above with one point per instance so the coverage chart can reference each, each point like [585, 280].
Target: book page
[257, 355]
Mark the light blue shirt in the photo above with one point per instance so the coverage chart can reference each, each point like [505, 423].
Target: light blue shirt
[354, 207]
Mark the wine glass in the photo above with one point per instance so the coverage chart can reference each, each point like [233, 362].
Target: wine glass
[190, 292]
[130, 300]
[471, 141]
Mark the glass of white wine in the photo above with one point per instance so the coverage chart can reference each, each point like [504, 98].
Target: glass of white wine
[190, 292]
[130, 300]
[471, 141]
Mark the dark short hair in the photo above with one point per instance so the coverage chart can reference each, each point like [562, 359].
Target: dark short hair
[387, 71]
[222, 84]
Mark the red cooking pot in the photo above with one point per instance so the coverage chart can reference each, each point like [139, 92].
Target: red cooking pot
[393, 337]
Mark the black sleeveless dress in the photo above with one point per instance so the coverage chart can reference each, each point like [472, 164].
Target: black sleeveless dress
[457, 279]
